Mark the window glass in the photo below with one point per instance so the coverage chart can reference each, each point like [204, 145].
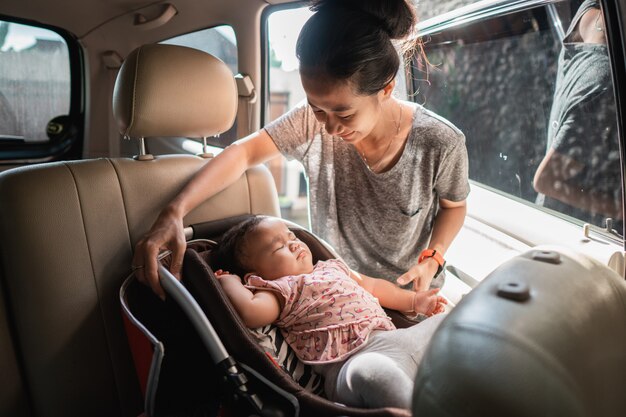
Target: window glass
[34, 82]
[221, 42]
[538, 112]
[427, 9]
[285, 92]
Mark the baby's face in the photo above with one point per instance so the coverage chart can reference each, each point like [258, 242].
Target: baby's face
[273, 251]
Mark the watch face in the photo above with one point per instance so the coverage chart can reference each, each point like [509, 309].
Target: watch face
[439, 279]
[439, 271]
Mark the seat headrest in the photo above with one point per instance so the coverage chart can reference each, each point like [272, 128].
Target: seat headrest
[169, 90]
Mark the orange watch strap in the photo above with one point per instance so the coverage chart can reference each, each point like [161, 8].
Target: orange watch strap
[431, 253]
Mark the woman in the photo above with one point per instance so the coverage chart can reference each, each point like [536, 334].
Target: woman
[387, 178]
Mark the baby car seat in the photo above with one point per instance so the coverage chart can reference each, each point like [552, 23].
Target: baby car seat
[205, 359]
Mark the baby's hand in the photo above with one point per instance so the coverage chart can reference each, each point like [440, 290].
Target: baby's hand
[222, 275]
[441, 306]
[428, 302]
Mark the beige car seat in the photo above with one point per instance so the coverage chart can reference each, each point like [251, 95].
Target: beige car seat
[67, 232]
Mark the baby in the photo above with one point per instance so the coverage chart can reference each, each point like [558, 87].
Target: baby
[330, 315]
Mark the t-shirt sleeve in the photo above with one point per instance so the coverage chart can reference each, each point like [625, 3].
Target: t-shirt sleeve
[588, 86]
[452, 180]
[256, 283]
[293, 132]
[580, 122]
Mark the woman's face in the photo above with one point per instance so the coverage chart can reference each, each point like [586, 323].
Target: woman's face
[343, 112]
[274, 251]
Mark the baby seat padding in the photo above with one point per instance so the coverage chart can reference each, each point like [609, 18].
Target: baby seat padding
[199, 279]
[176, 383]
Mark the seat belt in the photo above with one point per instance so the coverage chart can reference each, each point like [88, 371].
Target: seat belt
[247, 99]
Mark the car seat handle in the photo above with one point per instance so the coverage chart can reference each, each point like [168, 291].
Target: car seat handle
[167, 12]
[185, 300]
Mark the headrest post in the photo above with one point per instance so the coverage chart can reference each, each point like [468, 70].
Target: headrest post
[143, 156]
[205, 148]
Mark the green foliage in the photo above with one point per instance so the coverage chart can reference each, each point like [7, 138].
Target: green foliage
[4, 31]
[274, 61]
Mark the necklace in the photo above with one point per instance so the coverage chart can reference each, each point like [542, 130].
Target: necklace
[598, 27]
[374, 167]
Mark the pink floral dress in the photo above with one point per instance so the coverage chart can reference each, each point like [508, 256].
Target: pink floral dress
[326, 315]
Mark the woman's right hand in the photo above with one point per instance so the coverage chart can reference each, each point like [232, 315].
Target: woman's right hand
[167, 232]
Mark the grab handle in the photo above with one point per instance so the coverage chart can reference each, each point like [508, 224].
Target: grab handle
[168, 12]
[191, 308]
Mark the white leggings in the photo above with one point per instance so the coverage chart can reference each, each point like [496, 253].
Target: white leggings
[382, 373]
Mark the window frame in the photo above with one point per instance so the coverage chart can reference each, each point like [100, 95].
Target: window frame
[12, 153]
[265, 54]
[616, 36]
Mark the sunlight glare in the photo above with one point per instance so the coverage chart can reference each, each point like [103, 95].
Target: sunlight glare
[284, 27]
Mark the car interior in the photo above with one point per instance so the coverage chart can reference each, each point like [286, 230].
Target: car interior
[107, 109]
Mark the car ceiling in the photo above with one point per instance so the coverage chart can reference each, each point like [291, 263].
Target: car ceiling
[106, 32]
[83, 17]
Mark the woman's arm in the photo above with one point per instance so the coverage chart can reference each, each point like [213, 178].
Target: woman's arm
[554, 179]
[391, 296]
[447, 224]
[256, 309]
[167, 231]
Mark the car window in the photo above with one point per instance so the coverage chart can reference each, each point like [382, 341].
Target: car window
[221, 42]
[285, 92]
[34, 89]
[537, 109]
[427, 9]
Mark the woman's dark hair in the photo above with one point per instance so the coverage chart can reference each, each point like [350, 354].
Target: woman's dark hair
[352, 40]
[230, 253]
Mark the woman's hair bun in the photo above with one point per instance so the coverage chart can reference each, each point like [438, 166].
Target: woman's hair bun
[396, 17]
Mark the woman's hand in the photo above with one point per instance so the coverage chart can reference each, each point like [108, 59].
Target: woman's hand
[166, 233]
[216, 175]
[421, 275]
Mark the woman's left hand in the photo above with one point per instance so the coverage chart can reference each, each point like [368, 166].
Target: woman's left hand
[421, 275]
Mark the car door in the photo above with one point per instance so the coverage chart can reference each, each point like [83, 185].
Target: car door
[41, 114]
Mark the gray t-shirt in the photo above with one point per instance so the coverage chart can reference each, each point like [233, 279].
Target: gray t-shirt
[583, 123]
[378, 223]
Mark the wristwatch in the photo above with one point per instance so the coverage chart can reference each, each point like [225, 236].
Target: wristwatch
[432, 253]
